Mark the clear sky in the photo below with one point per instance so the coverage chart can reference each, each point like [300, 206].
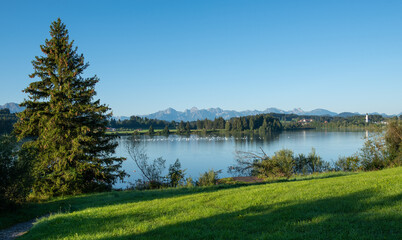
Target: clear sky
[236, 55]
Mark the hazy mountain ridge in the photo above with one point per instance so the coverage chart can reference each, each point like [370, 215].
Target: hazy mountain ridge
[13, 107]
[194, 113]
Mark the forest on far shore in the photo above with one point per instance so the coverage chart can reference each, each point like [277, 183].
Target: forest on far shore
[272, 122]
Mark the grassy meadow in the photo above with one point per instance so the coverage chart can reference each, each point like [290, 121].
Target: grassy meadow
[364, 205]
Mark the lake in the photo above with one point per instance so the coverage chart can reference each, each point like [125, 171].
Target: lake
[198, 154]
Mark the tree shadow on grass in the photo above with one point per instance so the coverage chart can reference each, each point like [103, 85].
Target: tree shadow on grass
[122, 197]
[360, 215]
[77, 203]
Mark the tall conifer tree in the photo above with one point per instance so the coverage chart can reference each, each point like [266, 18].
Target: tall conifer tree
[65, 124]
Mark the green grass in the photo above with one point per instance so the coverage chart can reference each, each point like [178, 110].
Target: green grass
[333, 206]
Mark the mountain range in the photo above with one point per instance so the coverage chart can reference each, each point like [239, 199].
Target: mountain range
[194, 113]
[13, 107]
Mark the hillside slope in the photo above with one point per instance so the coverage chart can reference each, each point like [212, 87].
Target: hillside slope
[357, 206]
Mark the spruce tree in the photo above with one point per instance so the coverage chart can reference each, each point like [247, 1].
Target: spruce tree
[166, 130]
[65, 124]
[188, 130]
[151, 130]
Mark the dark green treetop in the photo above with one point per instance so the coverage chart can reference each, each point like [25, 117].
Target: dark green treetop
[188, 130]
[166, 131]
[151, 130]
[66, 126]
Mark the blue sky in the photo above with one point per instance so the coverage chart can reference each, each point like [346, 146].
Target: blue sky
[238, 55]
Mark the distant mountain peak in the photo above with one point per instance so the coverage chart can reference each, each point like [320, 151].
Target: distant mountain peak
[298, 111]
[322, 112]
[170, 110]
[218, 110]
[13, 107]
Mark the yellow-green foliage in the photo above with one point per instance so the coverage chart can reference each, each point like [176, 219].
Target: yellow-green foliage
[208, 178]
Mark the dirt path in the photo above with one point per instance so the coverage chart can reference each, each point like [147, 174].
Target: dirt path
[18, 229]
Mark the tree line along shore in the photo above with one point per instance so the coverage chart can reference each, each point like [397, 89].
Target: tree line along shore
[263, 123]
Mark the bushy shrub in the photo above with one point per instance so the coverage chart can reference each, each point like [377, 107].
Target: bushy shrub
[301, 164]
[189, 182]
[15, 172]
[393, 142]
[374, 155]
[208, 178]
[348, 164]
[314, 162]
[311, 163]
[282, 164]
[279, 165]
[379, 151]
[383, 150]
[176, 174]
[153, 184]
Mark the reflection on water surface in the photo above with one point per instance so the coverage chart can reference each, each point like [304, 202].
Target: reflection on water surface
[199, 153]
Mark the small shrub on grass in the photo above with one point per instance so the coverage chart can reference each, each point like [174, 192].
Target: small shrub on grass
[312, 163]
[301, 164]
[373, 155]
[176, 174]
[155, 184]
[315, 162]
[393, 141]
[208, 178]
[348, 164]
[189, 182]
[383, 150]
[279, 165]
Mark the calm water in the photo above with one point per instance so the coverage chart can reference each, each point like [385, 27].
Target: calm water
[198, 154]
